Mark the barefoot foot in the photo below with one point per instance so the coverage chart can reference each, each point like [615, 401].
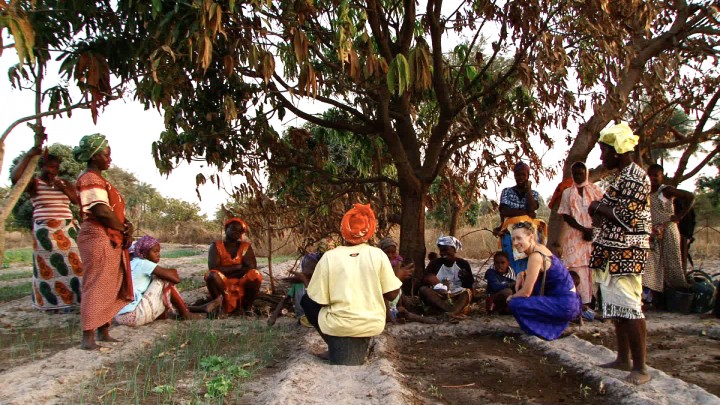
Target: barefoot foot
[619, 365]
[213, 305]
[638, 377]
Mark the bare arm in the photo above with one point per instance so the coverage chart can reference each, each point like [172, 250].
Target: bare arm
[166, 274]
[687, 198]
[535, 262]
[22, 165]
[107, 217]
[391, 295]
[68, 189]
[587, 232]
[236, 270]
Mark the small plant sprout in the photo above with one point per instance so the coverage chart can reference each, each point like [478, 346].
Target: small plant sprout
[521, 348]
[562, 372]
[508, 339]
[585, 390]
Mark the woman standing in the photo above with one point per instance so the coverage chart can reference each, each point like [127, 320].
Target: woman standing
[546, 300]
[57, 273]
[665, 269]
[576, 242]
[620, 249]
[103, 240]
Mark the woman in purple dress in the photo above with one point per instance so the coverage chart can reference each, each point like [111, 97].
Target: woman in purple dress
[546, 300]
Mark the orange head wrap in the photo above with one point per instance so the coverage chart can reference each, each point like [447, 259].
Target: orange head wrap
[245, 226]
[358, 224]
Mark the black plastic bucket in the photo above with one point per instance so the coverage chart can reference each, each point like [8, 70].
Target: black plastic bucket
[679, 301]
[348, 351]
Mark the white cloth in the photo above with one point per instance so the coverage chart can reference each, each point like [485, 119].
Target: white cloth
[452, 275]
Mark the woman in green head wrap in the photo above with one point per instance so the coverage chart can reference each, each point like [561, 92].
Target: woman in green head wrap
[103, 240]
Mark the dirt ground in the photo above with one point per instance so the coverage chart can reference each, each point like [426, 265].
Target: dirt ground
[481, 369]
[40, 361]
[692, 357]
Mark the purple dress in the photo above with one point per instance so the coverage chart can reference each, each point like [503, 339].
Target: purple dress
[548, 315]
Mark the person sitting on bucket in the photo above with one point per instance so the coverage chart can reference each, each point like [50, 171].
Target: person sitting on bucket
[345, 299]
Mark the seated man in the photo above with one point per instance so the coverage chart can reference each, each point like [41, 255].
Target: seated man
[233, 273]
[448, 281]
[500, 283]
[345, 299]
[155, 292]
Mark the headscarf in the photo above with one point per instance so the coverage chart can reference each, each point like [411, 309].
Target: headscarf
[620, 137]
[89, 146]
[580, 164]
[521, 165]
[449, 241]
[142, 246]
[387, 242]
[244, 224]
[358, 224]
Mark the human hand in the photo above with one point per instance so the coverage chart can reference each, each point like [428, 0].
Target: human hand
[35, 151]
[129, 228]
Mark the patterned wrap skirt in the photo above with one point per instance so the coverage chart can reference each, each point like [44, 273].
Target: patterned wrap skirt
[102, 276]
[155, 302]
[57, 268]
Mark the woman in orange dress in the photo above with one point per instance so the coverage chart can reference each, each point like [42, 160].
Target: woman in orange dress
[103, 240]
[233, 274]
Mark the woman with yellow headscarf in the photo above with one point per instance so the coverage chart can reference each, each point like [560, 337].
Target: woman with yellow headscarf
[620, 250]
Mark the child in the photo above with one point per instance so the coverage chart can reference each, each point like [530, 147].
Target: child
[500, 283]
[155, 292]
[396, 309]
[300, 281]
[587, 313]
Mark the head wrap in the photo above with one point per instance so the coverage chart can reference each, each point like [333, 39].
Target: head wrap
[450, 241]
[580, 164]
[521, 166]
[387, 242]
[244, 224]
[89, 146]
[620, 137]
[142, 246]
[557, 194]
[358, 224]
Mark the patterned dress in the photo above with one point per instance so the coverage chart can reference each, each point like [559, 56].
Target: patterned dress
[576, 250]
[664, 268]
[57, 268]
[621, 247]
[107, 283]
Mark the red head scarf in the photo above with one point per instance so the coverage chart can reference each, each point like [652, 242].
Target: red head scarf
[245, 226]
[358, 224]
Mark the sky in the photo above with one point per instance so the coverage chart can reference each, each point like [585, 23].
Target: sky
[131, 130]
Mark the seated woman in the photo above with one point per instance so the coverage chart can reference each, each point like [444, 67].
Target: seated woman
[546, 300]
[155, 292]
[500, 283]
[233, 273]
[448, 281]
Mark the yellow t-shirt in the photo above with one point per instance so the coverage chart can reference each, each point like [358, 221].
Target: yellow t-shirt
[350, 282]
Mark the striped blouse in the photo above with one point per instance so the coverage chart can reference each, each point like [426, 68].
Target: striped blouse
[50, 202]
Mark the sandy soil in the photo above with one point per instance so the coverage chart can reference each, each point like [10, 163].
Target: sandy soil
[56, 372]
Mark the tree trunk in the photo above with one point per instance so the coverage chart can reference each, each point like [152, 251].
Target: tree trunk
[412, 224]
[455, 215]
